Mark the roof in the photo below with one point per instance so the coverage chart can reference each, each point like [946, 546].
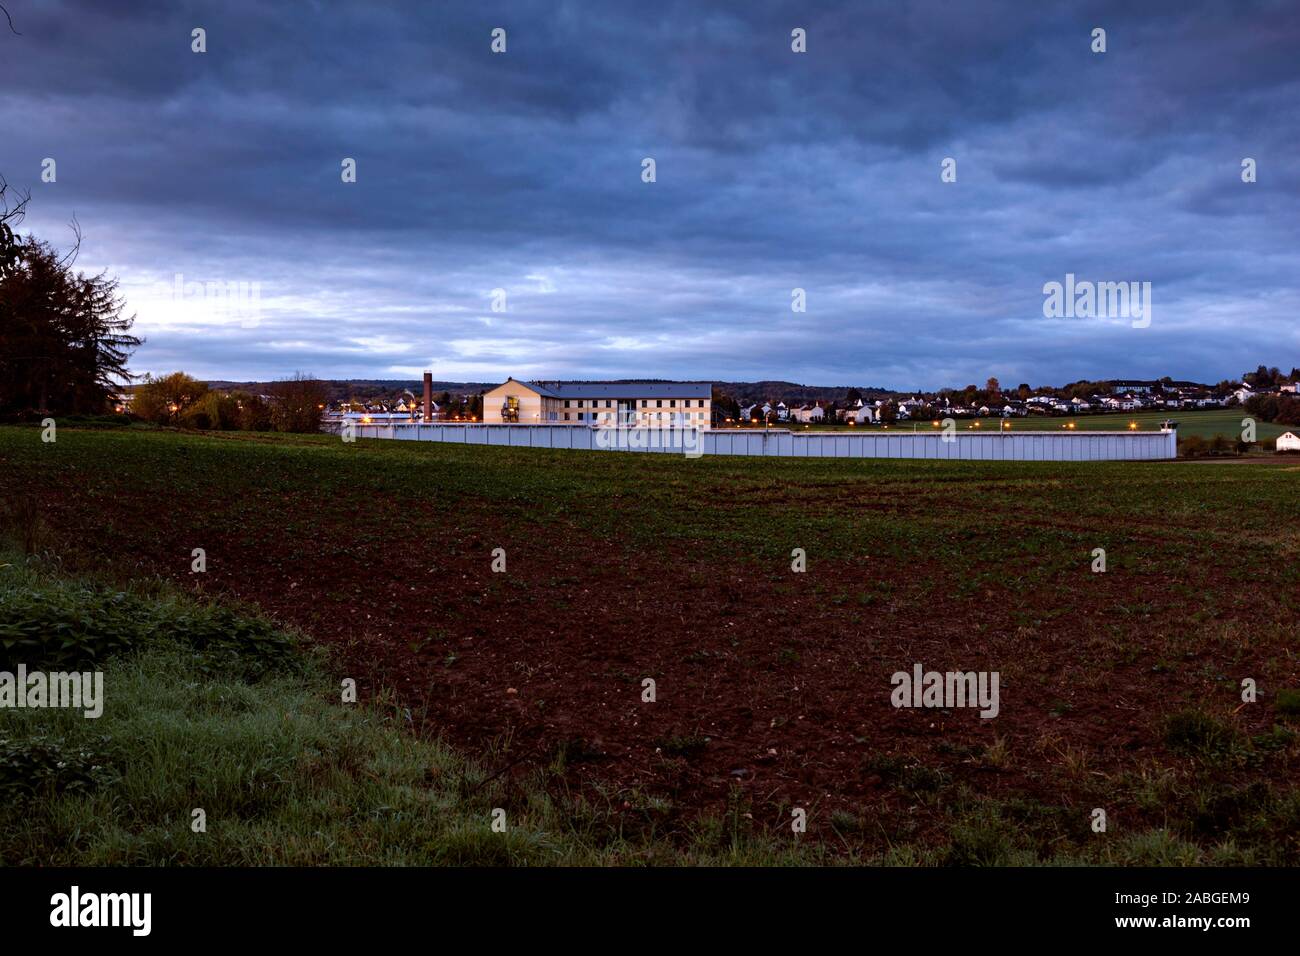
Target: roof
[623, 389]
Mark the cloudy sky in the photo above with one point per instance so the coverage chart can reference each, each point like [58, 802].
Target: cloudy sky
[196, 175]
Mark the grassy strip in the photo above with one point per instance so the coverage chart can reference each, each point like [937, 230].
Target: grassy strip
[257, 739]
[286, 775]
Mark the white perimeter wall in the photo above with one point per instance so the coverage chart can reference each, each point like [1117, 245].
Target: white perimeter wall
[1007, 446]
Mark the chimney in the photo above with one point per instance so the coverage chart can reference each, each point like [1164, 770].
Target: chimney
[428, 396]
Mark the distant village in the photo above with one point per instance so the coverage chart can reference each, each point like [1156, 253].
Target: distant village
[302, 403]
[992, 401]
[1083, 398]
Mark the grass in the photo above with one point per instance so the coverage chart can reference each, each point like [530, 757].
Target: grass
[1206, 423]
[212, 706]
[287, 775]
[259, 740]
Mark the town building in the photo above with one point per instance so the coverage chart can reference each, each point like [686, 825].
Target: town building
[639, 404]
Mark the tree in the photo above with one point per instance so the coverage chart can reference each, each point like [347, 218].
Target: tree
[254, 414]
[725, 404]
[64, 341]
[297, 403]
[853, 397]
[994, 388]
[10, 216]
[166, 400]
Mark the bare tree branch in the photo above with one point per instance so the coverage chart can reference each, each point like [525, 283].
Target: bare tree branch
[71, 256]
[10, 19]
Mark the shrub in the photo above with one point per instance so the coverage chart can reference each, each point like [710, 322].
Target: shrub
[77, 627]
[68, 629]
[164, 400]
[212, 411]
[43, 766]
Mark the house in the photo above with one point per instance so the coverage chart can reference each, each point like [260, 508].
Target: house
[1135, 387]
[1243, 394]
[860, 414]
[640, 404]
[1288, 441]
[808, 413]
[782, 412]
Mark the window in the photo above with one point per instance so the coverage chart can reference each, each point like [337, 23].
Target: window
[566, 405]
[672, 403]
[510, 410]
[659, 403]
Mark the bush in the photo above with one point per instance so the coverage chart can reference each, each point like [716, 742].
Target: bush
[77, 627]
[165, 400]
[212, 411]
[42, 766]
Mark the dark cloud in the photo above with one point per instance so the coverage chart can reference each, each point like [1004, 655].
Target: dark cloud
[820, 171]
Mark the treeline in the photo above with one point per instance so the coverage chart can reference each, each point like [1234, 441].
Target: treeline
[293, 405]
[64, 337]
[1282, 408]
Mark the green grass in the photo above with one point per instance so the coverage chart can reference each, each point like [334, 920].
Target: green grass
[1206, 423]
[246, 724]
[285, 773]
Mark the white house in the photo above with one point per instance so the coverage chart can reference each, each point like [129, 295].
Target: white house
[1288, 441]
[808, 413]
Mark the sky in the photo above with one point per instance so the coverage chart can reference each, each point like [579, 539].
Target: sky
[500, 223]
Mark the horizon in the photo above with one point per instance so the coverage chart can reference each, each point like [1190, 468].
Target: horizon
[775, 171]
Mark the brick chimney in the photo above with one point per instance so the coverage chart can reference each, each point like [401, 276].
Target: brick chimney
[428, 396]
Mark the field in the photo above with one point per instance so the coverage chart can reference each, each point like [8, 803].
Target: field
[1206, 423]
[1119, 690]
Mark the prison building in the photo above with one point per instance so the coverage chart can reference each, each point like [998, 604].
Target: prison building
[639, 404]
